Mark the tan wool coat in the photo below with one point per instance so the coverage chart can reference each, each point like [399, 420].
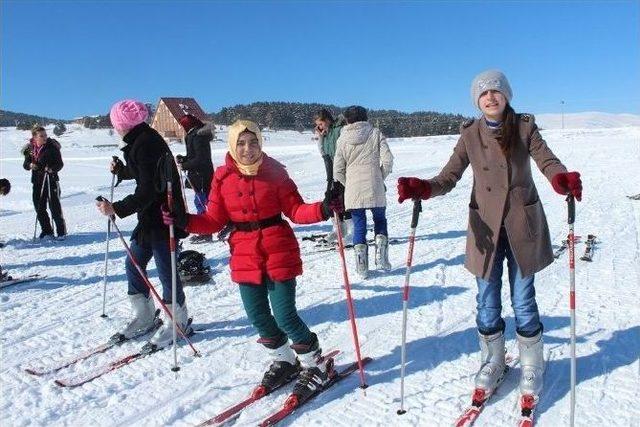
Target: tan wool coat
[503, 194]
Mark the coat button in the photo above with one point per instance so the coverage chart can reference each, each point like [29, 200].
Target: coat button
[503, 166]
[485, 146]
[240, 194]
[244, 211]
[484, 168]
[488, 188]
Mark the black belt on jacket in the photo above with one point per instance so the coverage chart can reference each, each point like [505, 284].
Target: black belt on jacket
[258, 225]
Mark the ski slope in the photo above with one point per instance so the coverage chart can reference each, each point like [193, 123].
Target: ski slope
[48, 320]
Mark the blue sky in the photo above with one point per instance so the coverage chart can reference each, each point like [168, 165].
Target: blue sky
[70, 58]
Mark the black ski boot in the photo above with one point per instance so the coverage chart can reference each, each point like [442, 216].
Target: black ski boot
[316, 373]
[284, 368]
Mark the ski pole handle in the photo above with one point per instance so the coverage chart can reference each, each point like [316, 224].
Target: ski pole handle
[571, 204]
[102, 199]
[417, 208]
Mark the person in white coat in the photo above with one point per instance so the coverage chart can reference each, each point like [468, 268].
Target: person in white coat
[362, 162]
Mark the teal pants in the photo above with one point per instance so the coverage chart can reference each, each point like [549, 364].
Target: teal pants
[275, 329]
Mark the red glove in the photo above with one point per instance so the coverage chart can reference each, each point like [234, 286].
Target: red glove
[413, 188]
[568, 183]
[167, 217]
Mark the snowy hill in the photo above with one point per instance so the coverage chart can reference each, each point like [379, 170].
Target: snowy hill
[587, 120]
[46, 321]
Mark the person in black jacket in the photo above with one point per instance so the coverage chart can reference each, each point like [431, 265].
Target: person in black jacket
[197, 163]
[146, 153]
[42, 157]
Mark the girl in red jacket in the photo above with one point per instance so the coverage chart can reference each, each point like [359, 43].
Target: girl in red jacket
[252, 191]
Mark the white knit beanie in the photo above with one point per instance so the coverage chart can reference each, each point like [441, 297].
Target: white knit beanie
[490, 80]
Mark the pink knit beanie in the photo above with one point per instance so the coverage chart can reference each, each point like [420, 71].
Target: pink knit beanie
[127, 114]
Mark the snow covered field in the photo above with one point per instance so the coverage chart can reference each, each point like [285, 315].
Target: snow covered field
[44, 321]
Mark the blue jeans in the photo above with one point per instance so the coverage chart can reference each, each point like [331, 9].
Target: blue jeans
[523, 295]
[200, 200]
[159, 250]
[360, 223]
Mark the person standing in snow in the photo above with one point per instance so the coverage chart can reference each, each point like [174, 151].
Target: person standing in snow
[506, 221]
[362, 162]
[328, 130]
[197, 163]
[42, 157]
[252, 191]
[145, 153]
[5, 188]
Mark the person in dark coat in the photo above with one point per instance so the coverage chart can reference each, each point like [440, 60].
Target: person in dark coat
[42, 157]
[146, 153]
[197, 163]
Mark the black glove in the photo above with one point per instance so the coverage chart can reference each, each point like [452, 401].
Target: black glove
[333, 200]
[116, 166]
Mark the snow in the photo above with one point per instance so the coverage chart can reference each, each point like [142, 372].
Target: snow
[42, 322]
[587, 120]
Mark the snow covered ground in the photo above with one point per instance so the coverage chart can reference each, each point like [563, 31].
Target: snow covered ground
[44, 321]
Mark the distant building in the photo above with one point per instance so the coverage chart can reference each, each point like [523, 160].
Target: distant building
[169, 111]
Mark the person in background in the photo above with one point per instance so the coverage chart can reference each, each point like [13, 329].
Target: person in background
[506, 222]
[328, 130]
[197, 164]
[42, 157]
[362, 162]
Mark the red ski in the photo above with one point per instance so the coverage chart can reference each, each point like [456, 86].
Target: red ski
[528, 404]
[480, 397]
[292, 403]
[258, 393]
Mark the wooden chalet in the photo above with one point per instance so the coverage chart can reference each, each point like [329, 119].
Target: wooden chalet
[169, 111]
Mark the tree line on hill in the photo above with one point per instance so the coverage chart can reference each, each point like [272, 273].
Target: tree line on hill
[278, 116]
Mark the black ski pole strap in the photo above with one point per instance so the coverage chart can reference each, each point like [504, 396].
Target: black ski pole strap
[417, 208]
[571, 207]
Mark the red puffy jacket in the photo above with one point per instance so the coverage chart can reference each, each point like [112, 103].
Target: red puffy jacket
[239, 198]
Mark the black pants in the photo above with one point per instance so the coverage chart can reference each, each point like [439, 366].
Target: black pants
[328, 167]
[51, 195]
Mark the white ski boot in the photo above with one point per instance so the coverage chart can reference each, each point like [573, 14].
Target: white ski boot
[164, 336]
[532, 363]
[382, 252]
[361, 252]
[492, 361]
[144, 318]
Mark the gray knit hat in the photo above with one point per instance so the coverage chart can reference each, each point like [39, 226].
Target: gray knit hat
[487, 80]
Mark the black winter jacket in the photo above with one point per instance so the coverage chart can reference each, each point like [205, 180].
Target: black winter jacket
[50, 158]
[198, 162]
[145, 154]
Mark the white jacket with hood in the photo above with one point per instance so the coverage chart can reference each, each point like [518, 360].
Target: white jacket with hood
[362, 162]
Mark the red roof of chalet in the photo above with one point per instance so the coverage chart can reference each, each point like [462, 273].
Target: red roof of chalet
[182, 106]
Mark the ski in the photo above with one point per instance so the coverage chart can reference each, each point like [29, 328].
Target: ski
[564, 246]
[15, 280]
[91, 375]
[45, 370]
[292, 403]
[258, 393]
[528, 403]
[480, 397]
[588, 251]
[635, 197]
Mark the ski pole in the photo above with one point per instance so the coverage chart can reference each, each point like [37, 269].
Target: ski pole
[172, 247]
[351, 310]
[106, 253]
[571, 207]
[35, 225]
[146, 280]
[184, 193]
[417, 208]
[202, 202]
